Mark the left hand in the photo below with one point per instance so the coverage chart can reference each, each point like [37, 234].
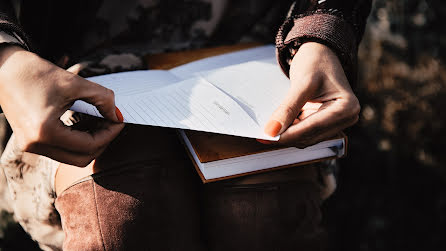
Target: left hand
[34, 94]
[320, 102]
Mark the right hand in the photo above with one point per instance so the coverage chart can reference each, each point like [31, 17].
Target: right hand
[34, 94]
[320, 102]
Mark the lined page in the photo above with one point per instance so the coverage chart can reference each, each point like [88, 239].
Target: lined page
[258, 87]
[135, 82]
[191, 104]
[237, 102]
[258, 53]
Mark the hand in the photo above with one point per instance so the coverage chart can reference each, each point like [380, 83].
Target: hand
[35, 93]
[320, 102]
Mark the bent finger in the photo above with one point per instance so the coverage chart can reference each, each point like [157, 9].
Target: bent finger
[318, 126]
[85, 142]
[99, 96]
[308, 109]
[311, 138]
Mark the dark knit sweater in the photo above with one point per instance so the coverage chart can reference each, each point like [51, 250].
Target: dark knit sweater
[76, 28]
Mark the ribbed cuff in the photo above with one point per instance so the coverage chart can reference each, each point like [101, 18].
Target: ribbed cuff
[324, 28]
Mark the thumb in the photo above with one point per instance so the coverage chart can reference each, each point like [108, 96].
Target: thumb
[102, 98]
[286, 113]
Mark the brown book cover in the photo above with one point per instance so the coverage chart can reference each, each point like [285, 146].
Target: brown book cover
[209, 147]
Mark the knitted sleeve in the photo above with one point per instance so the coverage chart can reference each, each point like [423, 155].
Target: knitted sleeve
[339, 24]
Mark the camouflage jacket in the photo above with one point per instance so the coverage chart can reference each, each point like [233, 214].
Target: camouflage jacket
[84, 29]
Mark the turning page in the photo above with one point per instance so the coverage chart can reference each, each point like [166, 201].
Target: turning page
[258, 53]
[135, 82]
[258, 87]
[191, 104]
[235, 100]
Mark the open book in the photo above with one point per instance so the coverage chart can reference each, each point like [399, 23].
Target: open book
[232, 94]
[219, 97]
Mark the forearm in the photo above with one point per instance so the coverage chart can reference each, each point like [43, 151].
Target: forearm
[335, 23]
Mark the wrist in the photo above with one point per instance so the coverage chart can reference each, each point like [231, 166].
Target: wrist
[314, 47]
[318, 55]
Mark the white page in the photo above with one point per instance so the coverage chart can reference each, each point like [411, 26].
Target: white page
[258, 87]
[135, 82]
[191, 104]
[265, 160]
[138, 84]
[258, 53]
[219, 168]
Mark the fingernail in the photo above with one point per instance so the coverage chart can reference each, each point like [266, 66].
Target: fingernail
[266, 142]
[119, 115]
[272, 128]
[297, 120]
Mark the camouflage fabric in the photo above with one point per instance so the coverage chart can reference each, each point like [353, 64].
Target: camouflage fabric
[131, 30]
[30, 180]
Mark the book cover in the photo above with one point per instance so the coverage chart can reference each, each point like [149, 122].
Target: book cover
[217, 157]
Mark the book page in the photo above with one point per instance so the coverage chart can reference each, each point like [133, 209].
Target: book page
[258, 53]
[135, 82]
[258, 86]
[191, 104]
[157, 98]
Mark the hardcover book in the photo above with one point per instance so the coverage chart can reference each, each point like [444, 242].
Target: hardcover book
[217, 156]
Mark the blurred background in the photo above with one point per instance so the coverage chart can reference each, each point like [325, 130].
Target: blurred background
[392, 186]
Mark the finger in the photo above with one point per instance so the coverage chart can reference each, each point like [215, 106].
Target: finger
[312, 106]
[308, 109]
[85, 142]
[285, 114]
[69, 118]
[75, 69]
[102, 98]
[332, 117]
[64, 156]
[316, 136]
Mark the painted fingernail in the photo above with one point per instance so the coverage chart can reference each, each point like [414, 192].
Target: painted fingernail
[297, 120]
[266, 142]
[272, 128]
[119, 115]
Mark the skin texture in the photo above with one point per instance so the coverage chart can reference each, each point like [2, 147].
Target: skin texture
[34, 94]
[320, 102]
